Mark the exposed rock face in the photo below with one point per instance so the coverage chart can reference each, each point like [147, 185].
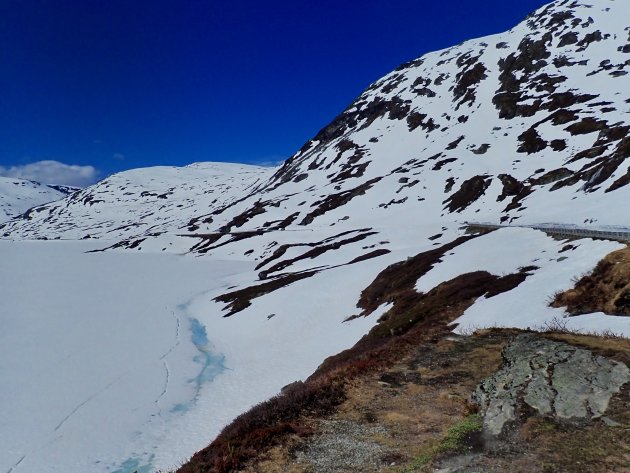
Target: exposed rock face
[554, 379]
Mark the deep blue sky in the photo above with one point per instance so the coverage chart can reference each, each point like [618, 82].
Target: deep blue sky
[126, 83]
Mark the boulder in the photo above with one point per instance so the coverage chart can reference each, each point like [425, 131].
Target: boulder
[550, 379]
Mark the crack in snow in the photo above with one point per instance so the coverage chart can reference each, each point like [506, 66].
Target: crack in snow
[13, 468]
[79, 406]
[167, 370]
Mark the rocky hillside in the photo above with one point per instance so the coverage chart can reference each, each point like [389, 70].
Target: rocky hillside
[526, 126]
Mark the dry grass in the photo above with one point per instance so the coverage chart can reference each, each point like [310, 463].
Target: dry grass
[596, 448]
[606, 289]
[425, 418]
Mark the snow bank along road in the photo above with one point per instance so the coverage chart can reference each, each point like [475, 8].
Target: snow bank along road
[568, 231]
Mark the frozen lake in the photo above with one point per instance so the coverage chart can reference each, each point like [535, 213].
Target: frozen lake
[121, 361]
[98, 354]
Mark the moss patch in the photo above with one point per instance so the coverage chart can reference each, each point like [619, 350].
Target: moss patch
[457, 440]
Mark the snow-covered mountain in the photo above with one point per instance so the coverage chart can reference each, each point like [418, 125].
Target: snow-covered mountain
[142, 201]
[524, 127]
[19, 195]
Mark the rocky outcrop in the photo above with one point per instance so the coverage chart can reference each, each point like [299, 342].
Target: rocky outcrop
[548, 378]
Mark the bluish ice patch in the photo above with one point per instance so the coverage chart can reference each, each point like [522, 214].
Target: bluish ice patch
[180, 407]
[212, 364]
[133, 466]
[199, 334]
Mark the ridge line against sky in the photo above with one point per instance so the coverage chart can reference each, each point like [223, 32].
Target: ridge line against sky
[99, 87]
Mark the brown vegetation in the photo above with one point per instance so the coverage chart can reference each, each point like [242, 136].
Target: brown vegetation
[314, 253]
[241, 299]
[606, 289]
[415, 416]
[264, 426]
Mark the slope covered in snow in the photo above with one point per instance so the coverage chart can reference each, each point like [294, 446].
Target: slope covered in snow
[19, 195]
[493, 129]
[143, 201]
[524, 127]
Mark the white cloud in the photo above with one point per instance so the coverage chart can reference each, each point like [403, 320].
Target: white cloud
[53, 172]
[118, 156]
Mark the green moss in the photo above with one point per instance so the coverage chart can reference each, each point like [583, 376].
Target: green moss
[546, 426]
[457, 434]
[453, 442]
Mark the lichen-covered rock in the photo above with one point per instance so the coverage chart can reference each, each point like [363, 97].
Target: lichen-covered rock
[553, 379]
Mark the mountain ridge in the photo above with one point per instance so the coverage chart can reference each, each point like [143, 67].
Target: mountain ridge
[504, 94]
[19, 195]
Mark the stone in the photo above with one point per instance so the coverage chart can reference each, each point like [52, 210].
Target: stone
[548, 378]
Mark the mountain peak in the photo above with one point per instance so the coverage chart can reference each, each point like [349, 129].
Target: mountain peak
[519, 127]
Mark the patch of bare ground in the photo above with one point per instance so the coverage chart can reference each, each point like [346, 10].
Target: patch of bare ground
[337, 200]
[415, 415]
[469, 192]
[314, 252]
[605, 289]
[242, 298]
[394, 415]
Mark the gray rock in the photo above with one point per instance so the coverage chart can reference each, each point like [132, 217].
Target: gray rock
[553, 379]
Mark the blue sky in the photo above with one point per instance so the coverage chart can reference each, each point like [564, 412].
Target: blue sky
[119, 84]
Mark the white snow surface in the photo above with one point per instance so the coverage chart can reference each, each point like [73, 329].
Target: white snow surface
[145, 201]
[506, 251]
[106, 377]
[519, 128]
[19, 195]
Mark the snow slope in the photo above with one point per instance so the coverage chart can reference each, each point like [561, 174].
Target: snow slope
[19, 195]
[143, 201]
[524, 127]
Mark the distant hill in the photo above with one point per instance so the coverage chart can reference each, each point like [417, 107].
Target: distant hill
[19, 195]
